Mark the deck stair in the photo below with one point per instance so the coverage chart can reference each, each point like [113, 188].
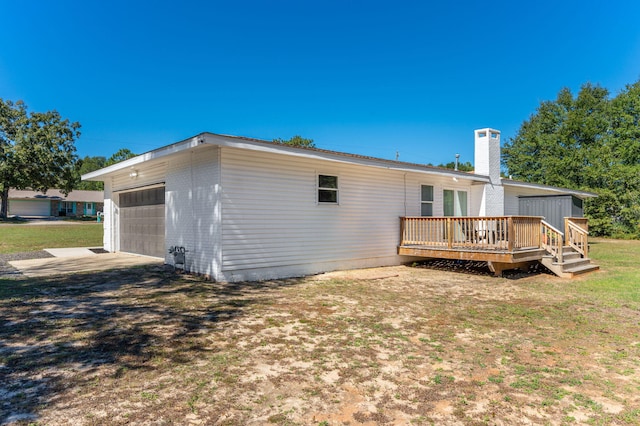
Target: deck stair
[572, 263]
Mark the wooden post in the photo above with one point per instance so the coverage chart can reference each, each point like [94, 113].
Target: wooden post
[511, 232]
[449, 233]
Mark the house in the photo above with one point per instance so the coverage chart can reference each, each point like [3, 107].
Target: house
[246, 209]
[27, 203]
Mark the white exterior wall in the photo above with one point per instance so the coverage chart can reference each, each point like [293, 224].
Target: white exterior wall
[416, 180]
[108, 219]
[192, 210]
[273, 227]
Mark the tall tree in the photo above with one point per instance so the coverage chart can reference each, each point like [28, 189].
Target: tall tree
[90, 164]
[588, 142]
[297, 140]
[120, 155]
[37, 151]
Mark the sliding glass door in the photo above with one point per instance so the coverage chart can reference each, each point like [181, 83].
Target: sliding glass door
[455, 202]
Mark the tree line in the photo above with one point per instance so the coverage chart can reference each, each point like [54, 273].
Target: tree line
[589, 141]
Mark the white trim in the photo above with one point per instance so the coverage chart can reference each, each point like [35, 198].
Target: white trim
[140, 188]
[433, 197]
[318, 189]
[455, 196]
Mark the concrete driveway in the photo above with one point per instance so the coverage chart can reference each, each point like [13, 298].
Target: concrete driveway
[77, 260]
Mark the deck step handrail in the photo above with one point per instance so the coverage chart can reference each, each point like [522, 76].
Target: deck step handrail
[552, 240]
[577, 237]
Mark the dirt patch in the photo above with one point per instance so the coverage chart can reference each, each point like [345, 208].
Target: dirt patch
[391, 346]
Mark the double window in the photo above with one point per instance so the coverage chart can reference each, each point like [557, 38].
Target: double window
[328, 189]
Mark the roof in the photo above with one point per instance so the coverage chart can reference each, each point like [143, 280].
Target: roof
[55, 194]
[537, 186]
[206, 138]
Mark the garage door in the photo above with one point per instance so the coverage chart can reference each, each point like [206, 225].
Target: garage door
[29, 207]
[142, 222]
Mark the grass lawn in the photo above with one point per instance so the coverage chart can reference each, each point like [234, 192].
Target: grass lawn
[23, 237]
[400, 345]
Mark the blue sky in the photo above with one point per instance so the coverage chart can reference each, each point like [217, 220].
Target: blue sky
[365, 77]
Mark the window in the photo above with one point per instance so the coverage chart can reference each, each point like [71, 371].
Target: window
[66, 207]
[426, 200]
[327, 189]
[145, 197]
[455, 202]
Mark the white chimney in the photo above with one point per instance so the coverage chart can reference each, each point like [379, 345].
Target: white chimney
[487, 162]
[487, 154]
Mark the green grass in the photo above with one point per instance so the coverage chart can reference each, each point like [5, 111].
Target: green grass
[620, 261]
[16, 238]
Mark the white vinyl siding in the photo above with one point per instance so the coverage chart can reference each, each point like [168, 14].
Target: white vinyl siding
[145, 175]
[193, 210]
[271, 219]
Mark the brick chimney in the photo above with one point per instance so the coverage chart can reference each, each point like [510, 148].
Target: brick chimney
[487, 162]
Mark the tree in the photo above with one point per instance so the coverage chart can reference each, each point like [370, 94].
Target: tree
[463, 167]
[589, 142]
[90, 164]
[37, 151]
[121, 155]
[297, 140]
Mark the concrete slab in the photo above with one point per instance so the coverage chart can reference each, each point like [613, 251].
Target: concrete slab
[71, 252]
[79, 264]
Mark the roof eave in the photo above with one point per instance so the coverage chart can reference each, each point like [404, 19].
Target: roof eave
[515, 183]
[265, 146]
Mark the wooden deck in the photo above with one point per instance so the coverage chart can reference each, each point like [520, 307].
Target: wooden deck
[504, 242]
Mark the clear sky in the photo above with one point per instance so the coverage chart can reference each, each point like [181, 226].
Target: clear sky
[366, 77]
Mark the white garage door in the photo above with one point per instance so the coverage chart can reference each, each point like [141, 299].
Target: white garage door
[142, 222]
[29, 207]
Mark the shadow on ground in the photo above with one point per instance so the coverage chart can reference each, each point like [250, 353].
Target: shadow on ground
[480, 268]
[56, 332]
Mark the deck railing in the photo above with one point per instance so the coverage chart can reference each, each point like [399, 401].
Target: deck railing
[474, 233]
[577, 234]
[552, 240]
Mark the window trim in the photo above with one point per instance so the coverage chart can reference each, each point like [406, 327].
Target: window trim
[432, 201]
[455, 196]
[319, 188]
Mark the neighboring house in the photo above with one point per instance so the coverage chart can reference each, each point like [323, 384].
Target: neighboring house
[27, 203]
[246, 209]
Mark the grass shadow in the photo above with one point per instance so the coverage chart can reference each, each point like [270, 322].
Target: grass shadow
[121, 320]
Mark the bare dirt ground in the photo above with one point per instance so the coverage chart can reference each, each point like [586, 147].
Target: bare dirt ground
[392, 346]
